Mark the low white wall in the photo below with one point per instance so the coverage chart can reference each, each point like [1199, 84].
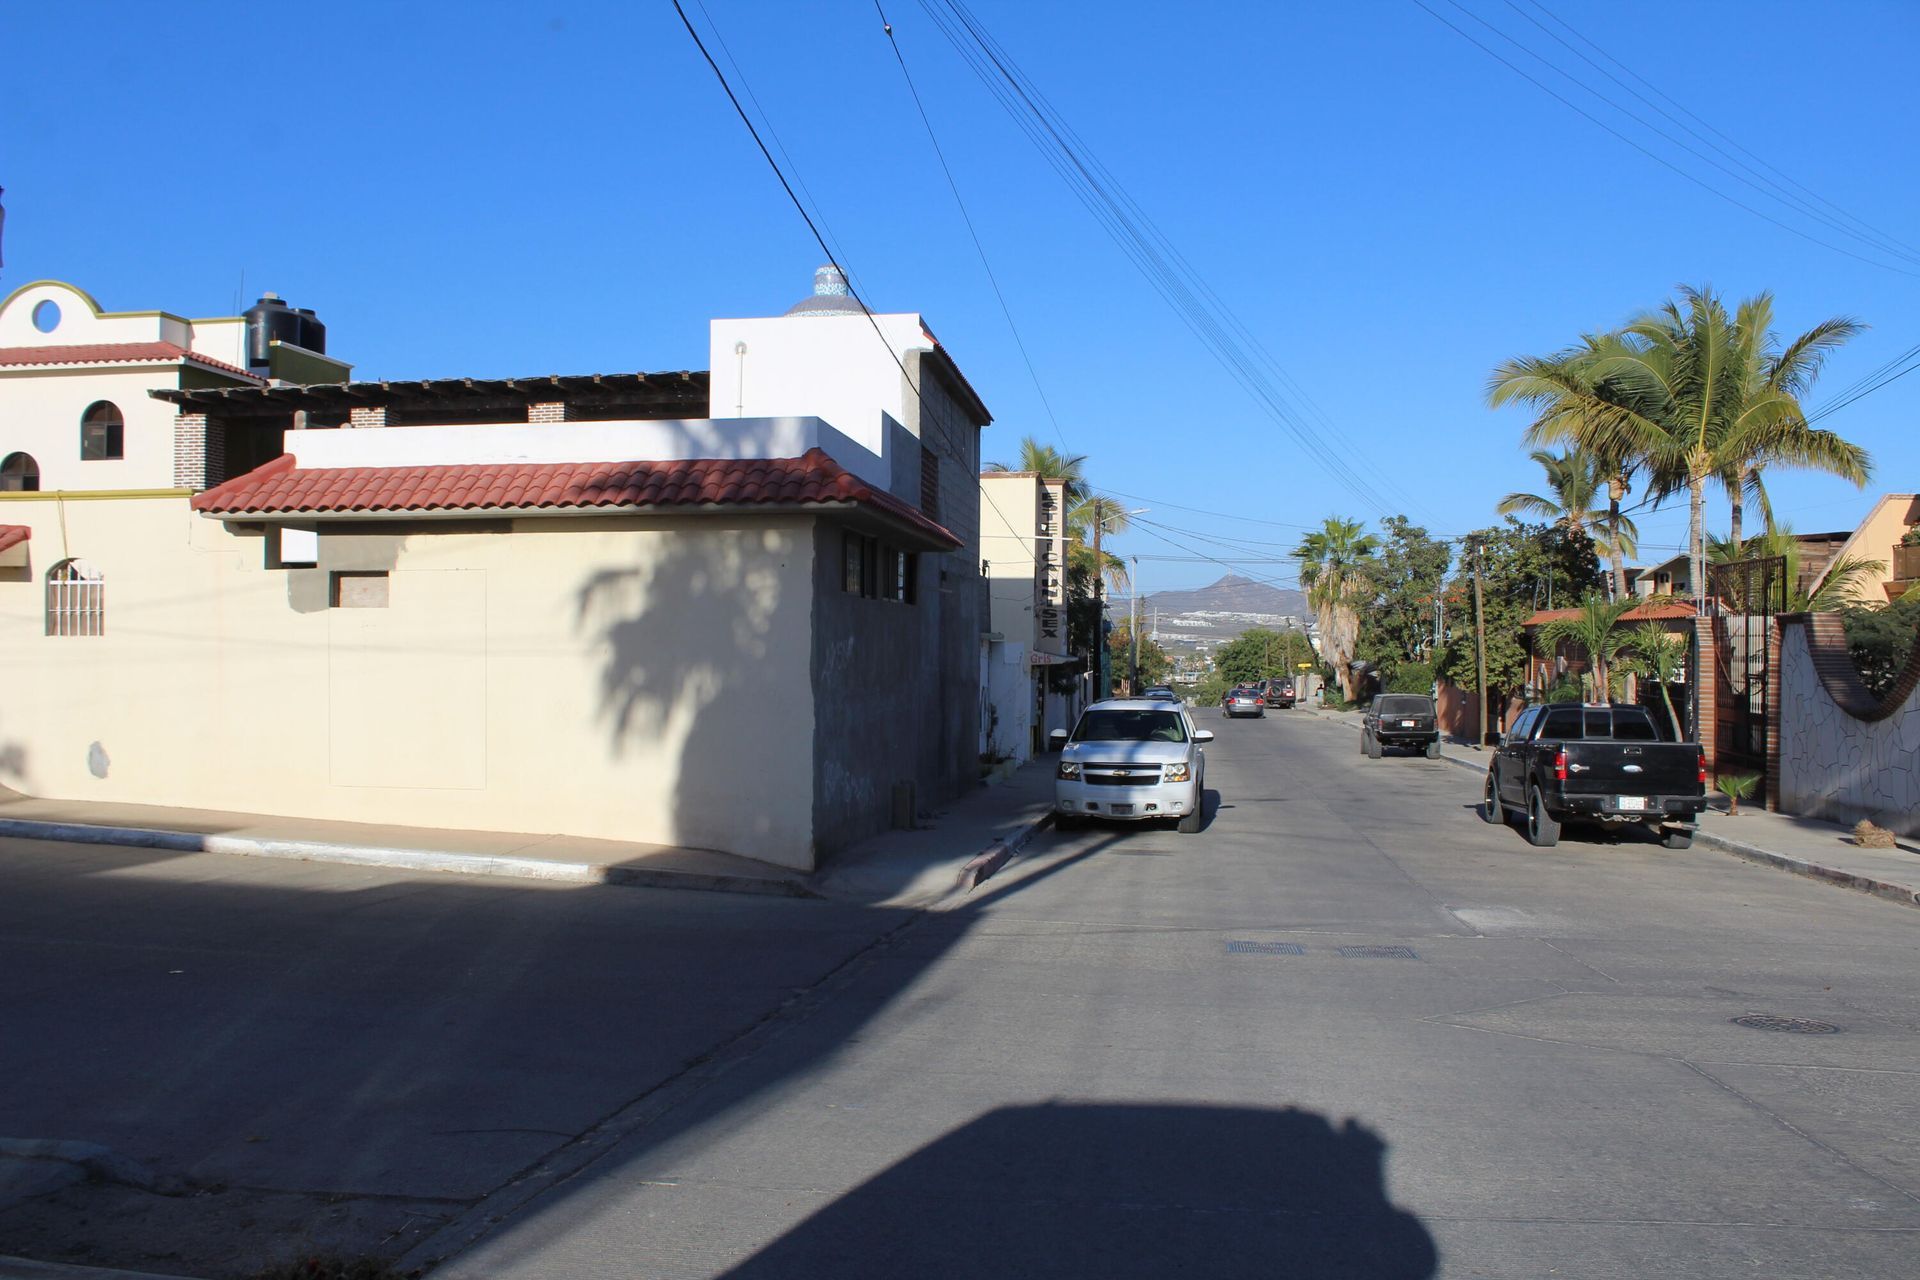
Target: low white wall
[1837, 767]
[474, 444]
[630, 678]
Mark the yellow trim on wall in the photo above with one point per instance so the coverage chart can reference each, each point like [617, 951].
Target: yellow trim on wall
[94, 495]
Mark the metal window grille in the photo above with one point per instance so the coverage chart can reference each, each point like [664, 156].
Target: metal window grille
[76, 601]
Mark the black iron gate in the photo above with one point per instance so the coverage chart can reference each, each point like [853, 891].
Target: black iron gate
[1746, 596]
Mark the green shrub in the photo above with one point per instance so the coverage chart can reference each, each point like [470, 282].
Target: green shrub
[1411, 677]
[1880, 640]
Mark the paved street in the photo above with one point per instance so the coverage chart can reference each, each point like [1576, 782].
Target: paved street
[1133, 1053]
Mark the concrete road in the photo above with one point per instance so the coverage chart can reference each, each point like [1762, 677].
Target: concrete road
[1348, 1030]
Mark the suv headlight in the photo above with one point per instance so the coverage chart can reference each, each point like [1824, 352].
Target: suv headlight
[1068, 769]
[1176, 773]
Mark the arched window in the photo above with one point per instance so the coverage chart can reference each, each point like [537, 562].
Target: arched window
[19, 474]
[103, 433]
[76, 600]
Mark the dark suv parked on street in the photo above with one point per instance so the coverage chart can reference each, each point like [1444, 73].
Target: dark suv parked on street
[1279, 692]
[1400, 720]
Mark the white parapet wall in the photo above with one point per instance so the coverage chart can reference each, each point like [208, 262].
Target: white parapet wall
[638, 440]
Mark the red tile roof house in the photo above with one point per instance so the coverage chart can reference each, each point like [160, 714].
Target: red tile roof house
[595, 605]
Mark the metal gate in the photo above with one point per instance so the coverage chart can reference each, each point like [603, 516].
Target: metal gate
[1746, 595]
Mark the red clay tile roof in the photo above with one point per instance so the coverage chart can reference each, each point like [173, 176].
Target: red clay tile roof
[1663, 612]
[281, 488]
[12, 535]
[111, 353]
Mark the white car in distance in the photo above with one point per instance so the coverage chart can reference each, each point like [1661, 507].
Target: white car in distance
[1131, 759]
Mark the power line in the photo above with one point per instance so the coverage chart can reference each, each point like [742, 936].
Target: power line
[1760, 160]
[966, 217]
[1645, 151]
[1150, 251]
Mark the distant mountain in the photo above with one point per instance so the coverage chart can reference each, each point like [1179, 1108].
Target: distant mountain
[1232, 594]
[1210, 616]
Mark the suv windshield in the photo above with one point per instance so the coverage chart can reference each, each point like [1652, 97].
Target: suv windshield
[1406, 705]
[1130, 726]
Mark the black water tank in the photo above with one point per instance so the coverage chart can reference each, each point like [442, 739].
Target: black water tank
[270, 320]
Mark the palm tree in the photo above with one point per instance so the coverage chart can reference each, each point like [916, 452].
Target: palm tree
[1556, 386]
[1574, 482]
[1051, 464]
[1664, 653]
[1333, 569]
[1596, 629]
[1694, 396]
[1114, 518]
[1840, 582]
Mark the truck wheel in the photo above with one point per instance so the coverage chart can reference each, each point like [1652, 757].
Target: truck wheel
[1490, 810]
[1190, 822]
[1677, 837]
[1373, 746]
[1542, 829]
[1433, 749]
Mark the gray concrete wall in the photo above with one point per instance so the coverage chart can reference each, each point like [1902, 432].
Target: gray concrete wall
[1834, 764]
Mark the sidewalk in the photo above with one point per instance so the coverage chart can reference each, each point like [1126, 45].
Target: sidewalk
[567, 859]
[937, 863]
[938, 860]
[1804, 846]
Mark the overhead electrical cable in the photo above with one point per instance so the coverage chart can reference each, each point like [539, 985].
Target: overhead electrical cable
[1150, 251]
[1708, 126]
[853, 293]
[972, 231]
[1655, 156]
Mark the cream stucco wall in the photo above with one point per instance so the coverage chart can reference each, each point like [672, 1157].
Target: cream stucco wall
[1875, 540]
[40, 412]
[623, 677]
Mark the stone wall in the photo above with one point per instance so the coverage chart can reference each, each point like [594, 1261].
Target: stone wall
[1845, 755]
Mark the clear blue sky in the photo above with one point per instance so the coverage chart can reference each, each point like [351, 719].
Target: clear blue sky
[503, 189]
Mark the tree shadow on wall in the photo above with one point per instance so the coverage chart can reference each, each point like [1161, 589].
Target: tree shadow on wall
[1069, 1190]
[709, 620]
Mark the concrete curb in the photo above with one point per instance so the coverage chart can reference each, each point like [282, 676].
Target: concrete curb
[1906, 895]
[27, 1269]
[437, 860]
[983, 866]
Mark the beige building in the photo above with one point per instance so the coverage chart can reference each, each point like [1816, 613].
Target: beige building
[577, 605]
[1026, 675]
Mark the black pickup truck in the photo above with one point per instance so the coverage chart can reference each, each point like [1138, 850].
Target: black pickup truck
[1585, 762]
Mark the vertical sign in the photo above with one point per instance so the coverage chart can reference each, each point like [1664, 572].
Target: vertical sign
[1050, 569]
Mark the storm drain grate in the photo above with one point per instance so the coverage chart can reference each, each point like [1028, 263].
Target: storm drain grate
[1376, 953]
[1774, 1022]
[1265, 949]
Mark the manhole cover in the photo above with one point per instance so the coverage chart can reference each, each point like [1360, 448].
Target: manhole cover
[1377, 953]
[1774, 1022]
[1265, 949]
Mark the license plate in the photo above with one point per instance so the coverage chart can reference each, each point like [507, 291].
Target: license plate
[1119, 808]
[1630, 802]
[1406, 724]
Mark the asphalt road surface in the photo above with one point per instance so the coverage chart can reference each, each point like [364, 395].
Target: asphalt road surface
[1347, 1030]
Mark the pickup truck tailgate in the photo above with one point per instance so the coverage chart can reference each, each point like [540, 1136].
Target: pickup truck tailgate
[1632, 769]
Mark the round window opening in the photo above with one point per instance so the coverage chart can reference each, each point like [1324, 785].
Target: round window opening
[46, 316]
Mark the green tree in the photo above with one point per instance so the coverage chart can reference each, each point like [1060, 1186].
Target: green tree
[1880, 640]
[1693, 394]
[1840, 582]
[1260, 653]
[1662, 654]
[1050, 463]
[1156, 664]
[1595, 628]
[1407, 579]
[1334, 564]
[1525, 566]
[1573, 483]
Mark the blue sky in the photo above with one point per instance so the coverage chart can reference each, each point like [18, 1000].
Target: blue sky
[492, 189]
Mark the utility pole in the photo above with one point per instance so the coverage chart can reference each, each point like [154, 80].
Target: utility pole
[1099, 607]
[1480, 640]
[1133, 629]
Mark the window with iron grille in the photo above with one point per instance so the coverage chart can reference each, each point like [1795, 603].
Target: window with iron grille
[103, 433]
[76, 600]
[930, 483]
[19, 473]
